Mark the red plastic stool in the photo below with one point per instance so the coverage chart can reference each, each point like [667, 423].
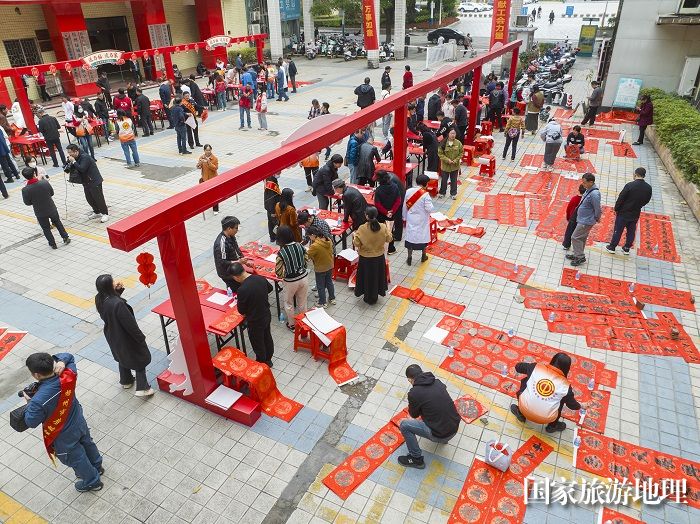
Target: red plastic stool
[343, 268]
[433, 231]
[483, 146]
[486, 127]
[303, 336]
[488, 165]
[468, 156]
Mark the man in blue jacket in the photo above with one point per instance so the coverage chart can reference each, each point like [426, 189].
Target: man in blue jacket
[178, 118]
[352, 154]
[588, 214]
[166, 94]
[65, 429]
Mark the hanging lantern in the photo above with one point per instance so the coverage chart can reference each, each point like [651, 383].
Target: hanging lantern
[208, 48]
[146, 269]
[186, 48]
[52, 69]
[177, 49]
[196, 48]
[120, 61]
[35, 72]
[68, 68]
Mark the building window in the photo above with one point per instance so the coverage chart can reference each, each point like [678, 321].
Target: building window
[22, 52]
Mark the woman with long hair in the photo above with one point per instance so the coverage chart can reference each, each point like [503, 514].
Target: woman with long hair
[291, 266]
[370, 240]
[124, 337]
[287, 214]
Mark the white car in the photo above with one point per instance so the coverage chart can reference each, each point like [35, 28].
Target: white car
[468, 7]
[483, 6]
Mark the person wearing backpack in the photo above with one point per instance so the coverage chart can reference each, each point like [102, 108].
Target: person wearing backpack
[551, 135]
[534, 106]
[514, 128]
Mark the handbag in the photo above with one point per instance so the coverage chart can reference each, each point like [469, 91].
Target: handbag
[17, 421]
[497, 455]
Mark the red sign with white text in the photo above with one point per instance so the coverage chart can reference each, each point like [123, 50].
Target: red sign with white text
[369, 25]
[500, 22]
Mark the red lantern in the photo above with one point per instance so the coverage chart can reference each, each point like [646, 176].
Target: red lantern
[52, 69]
[177, 49]
[68, 68]
[35, 72]
[186, 48]
[146, 269]
[120, 61]
[196, 48]
[208, 48]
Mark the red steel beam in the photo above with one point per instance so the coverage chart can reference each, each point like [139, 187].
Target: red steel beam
[137, 229]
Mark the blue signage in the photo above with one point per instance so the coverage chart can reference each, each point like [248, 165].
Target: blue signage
[290, 10]
[627, 93]
[523, 11]
[569, 10]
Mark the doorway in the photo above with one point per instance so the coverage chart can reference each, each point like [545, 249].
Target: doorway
[111, 32]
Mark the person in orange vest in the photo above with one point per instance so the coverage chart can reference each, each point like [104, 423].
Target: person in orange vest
[544, 391]
[310, 165]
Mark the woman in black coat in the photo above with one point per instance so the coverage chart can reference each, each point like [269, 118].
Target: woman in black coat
[125, 338]
[430, 148]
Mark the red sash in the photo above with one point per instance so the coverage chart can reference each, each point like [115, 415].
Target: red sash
[415, 197]
[273, 186]
[54, 423]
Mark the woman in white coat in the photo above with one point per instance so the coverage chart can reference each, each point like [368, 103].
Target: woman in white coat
[552, 136]
[417, 207]
[18, 116]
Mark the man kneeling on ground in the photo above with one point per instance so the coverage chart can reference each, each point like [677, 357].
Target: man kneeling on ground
[429, 400]
[544, 391]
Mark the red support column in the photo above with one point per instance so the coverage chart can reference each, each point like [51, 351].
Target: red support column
[179, 275]
[210, 20]
[259, 45]
[168, 59]
[149, 13]
[400, 144]
[473, 106]
[21, 95]
[4, 93]
[67, 17]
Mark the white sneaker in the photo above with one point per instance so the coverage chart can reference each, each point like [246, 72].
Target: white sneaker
[145, 393]
[104, 218]
[92, 215]
[216, 213]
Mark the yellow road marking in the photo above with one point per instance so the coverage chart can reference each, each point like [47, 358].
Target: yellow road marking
[70, 230]
[71, 299]
[12, 512]
[136, 185]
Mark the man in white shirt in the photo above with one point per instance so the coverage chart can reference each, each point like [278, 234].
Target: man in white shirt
[68, 108]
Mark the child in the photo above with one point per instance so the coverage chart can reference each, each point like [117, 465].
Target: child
[261, 108]
[514, 129]
[321, 253]
[571, 217]
[220, 88]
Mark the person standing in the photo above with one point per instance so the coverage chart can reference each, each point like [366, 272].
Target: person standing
[102, 112]
[551, 17]
[430, 148]
[148, 68]
[545, 409]
[127, 139]
[386, 79]
[220, 90]
[370, 240]
[497, 103]
[292, 71]
[281, 83]
[461, 119]
[364, 171]
[310, 165]
[515, 127]
[165, 92]
[291, 266]
[244, 103]
[434, 104]
[41, 82]
[179, 119]
[84, 132]
[323, 181]
[551, 135]
[252, 294]
[386, 119]
[143, 109]
[628, 206]
[286, 213]
[271, 198]
[646, 117]
[226, 251]
[354, 204]
[385, 205]
[103, 84]
[432, 415]
[445, 125]
[51, 130]
[65, 431]
[321, 254]
[365, 94]
[594, 101]
[196, 92]
[407, 78]
[90, 177]
[571, 209]
[588, 214]
[18, 117]
[450, 152]
[352, 153]
[261, 109]
[121, 101]
[124, 337]
[534, 105]
[38, 194]
[192, 110]
[209, 166]
[417, 207]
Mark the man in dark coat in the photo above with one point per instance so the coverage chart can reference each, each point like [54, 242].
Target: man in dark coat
[434, 105]
[292, 72]
[253, 303]
[430, 147]
[364, 170]
[143, 108]
[497, 104]
[196, 92]
[49, 127]
[386, 79]
[165, 92]
[461, 120]
[147, 68]
[91, 179]
[38, 194]
[445, 125]
[178, 118]
[365, 95]
[628, 206]
[102, 112]
[432, 415]
[226, 251]
[103, 84]
[354, 204]
[323, 181]
[271, 198]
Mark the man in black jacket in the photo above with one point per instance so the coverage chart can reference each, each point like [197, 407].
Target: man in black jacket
[633, 197]
[434, 104]
[461, 120]
[196, 92]
[445, 125]
[429, 400]
[38, 194]
[430, 147]
[103, 84]
[323, 181]
[253, 303]
[49, 127]
[354, 203]
[271, 198]
[102, 112]
[365, 95]
[90, 177]
[292, 72]
[226, 251]
[386, 79]
[143, 108]
[497, 103]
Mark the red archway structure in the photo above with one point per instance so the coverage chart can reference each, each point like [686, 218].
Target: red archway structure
[93, 60]
[166, 219]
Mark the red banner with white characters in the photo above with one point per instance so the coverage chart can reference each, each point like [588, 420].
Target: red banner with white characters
[369, 25]
[500, 22]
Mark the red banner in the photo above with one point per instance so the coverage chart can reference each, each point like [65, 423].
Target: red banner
[500, 22]
[369, 25]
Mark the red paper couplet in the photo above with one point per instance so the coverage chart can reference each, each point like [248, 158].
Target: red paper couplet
[8, 340]
[419, 297]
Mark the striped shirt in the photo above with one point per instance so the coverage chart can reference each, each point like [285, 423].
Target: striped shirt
[291, 262]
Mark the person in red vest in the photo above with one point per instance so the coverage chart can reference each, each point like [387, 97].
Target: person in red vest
[544, 392]
[123, 102]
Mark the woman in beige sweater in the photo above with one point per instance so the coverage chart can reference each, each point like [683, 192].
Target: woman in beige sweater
[450, 153]
[370, 240]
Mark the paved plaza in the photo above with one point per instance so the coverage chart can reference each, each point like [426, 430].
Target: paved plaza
[168, 461]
